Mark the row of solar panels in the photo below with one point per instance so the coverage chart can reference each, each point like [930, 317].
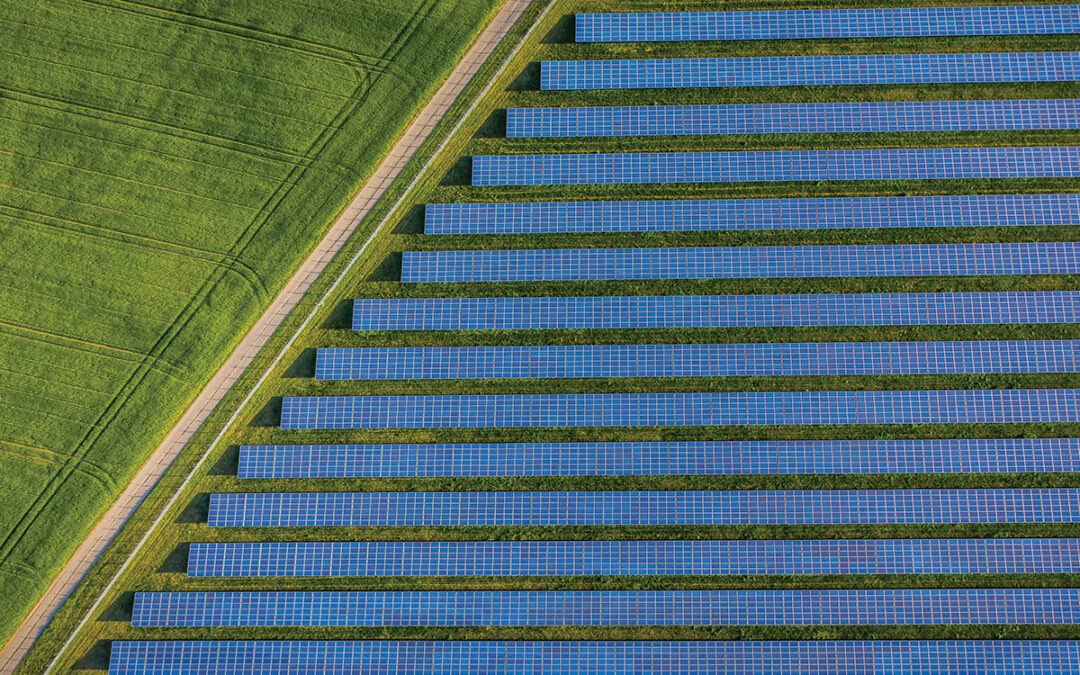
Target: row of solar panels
[742, 262]
[638, 657]
[792, 118]
[661, 458]
[1016, 606]
[715, 311]
[699, 360]
[776, 165]
[641, 508]
[623, 558]
[1023, 210]
[828, 23]
[792, 71]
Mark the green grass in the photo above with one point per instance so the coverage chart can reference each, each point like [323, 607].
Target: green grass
[161, 565]
[163, 167]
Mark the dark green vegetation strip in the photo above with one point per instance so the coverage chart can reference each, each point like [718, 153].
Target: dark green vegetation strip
[164, 166]
[162, 566]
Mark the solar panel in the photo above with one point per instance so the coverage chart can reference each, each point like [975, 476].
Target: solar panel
[741, 262]
[715, 311]
[710, 215]
[792, 118]
[734, 507]
[827, 23]
[660, 458]
[787, 71]
[697, 657]
[698, 360]
[491, 411]
[776, 165]
[611, 608]
[628, 558]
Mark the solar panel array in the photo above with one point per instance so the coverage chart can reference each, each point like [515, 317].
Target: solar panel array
[776, 165]
[789, 71]
[753, 214]
[621, 558]
[792, 118]
[611, 608]
[490, 411]
[613, 508]
[660, 458]
[698, 360]
[638, 657]
[741, 262]
[715, 311]
[828, 23]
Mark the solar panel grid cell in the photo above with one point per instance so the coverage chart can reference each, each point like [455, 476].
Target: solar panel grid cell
[620, 558]
[1027, 657]
[1004, 406]
[688, 311]
[777, 507]
[1020, 455]
[741, 262]
[610, 608]
[753, 214]
[698, 360]
[794, 118]
[787, 71]
[777, 165]
[829, 23]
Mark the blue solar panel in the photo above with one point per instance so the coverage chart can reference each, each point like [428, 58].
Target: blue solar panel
[611, 608]
[659, 458]
[698, 360]
[792, 118]
[786, 71]
[735, 507]
[490, 411]
[753, 214]
[715, 311]
[741, 262]
[622, 558]
[776, 165]
[638, 657]
[828, 23]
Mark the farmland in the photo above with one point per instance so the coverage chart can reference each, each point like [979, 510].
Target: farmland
[162, 566]
[163, 167]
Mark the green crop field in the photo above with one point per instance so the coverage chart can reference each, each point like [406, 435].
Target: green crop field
[161, 565]
[164, 166]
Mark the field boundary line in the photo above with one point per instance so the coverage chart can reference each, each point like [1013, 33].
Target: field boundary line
[391, 167]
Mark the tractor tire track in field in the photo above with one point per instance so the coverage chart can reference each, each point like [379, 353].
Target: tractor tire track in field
[10, 542]
[389, 169]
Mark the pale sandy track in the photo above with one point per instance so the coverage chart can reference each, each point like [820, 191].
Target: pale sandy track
[257, 337]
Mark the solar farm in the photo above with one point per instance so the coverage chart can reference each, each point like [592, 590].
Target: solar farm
[741, 341]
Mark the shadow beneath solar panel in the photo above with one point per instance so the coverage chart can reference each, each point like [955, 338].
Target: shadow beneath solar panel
[270, 415]
[412, 222]
[388, 270]
[303, 366]
[340, 317]
[460, 173]
[197, 511]
[562, 32]
[528, 80]
[229, 462]
[95, 658]
[177, 561]
[121, 610]
[494, 126]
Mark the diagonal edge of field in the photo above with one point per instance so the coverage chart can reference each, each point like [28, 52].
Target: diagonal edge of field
[259, 336]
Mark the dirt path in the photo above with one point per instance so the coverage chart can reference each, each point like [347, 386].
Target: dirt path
[293, 292]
